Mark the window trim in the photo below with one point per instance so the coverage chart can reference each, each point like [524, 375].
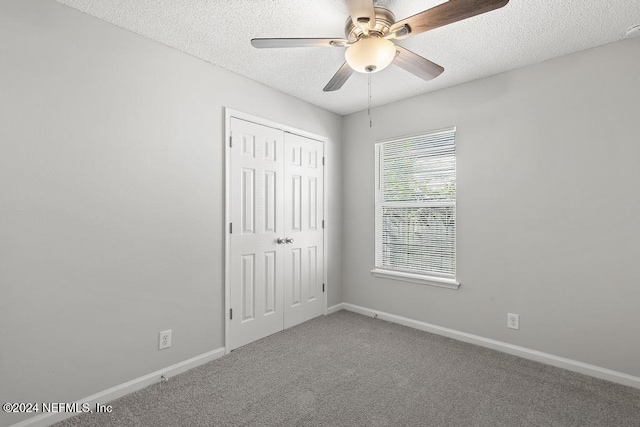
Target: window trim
[425, 279]
[441, 282]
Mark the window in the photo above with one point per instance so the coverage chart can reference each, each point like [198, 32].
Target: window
[416, 209]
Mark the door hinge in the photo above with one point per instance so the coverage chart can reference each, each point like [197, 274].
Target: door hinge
[323, 287]
[230, 141]
[323, 161]
[231, 314]
[323, 223]
[230, 228]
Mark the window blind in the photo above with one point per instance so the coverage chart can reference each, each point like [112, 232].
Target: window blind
[416, 204]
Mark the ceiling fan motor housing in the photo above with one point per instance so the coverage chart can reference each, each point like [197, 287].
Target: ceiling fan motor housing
[384, 20]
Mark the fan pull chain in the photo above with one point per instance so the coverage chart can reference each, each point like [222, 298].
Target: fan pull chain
[369, 104]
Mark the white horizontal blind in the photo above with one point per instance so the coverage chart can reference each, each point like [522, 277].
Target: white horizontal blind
[416, 204]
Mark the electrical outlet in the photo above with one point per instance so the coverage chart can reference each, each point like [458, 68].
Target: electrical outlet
[165, 339]
[513, 321]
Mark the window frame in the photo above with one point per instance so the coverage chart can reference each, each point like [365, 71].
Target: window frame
[413, 277]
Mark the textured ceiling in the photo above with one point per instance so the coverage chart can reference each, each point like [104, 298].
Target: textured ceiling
[219, 31]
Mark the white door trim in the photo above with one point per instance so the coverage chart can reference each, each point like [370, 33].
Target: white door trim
[229, 113]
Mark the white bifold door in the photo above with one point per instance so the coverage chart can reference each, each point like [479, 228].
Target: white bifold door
[276, 231]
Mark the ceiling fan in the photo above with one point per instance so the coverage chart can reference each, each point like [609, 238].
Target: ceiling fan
[369, 32]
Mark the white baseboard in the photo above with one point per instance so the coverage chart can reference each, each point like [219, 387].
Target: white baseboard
[335, 308]
[527, 353]
[120, 390]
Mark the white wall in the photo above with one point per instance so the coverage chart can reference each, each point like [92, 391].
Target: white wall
[548, 208]
[112, 201]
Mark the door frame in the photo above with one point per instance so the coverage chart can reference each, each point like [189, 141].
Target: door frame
[228, 114]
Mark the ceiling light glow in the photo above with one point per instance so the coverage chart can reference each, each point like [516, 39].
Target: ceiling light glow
[370, 54]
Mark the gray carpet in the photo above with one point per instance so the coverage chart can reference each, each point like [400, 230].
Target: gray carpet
[350, 370]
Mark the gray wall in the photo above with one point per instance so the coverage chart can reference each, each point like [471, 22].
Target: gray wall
[112, 200]
[548, 207]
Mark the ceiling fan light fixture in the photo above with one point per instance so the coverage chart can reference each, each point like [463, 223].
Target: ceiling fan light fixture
[370, 54]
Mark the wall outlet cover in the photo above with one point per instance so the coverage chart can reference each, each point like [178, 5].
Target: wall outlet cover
[165, 339]
[513, 321]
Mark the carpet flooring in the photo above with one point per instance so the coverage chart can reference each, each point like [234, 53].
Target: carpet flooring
[346, 369]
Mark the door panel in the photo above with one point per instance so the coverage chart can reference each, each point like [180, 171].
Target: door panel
[303, 264]
[256, 263]
[270, 280]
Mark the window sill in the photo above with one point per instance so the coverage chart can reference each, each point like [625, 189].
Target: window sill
[440, 282]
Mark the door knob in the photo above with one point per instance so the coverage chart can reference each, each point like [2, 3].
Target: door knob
[288, 240]
[280, 241]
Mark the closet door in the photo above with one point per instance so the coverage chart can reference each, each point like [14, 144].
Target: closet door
[257, 218]
[276, 239]
[303, 213]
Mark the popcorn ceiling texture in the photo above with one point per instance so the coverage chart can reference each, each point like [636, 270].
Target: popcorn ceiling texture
[219, 31]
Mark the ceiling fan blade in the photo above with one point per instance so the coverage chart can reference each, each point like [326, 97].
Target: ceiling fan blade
[362, 9]
[416, 64]
[339, 78]
[447, 13]
[275, 43]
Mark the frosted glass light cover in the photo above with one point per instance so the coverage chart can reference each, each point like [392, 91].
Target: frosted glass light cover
[370, 55]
